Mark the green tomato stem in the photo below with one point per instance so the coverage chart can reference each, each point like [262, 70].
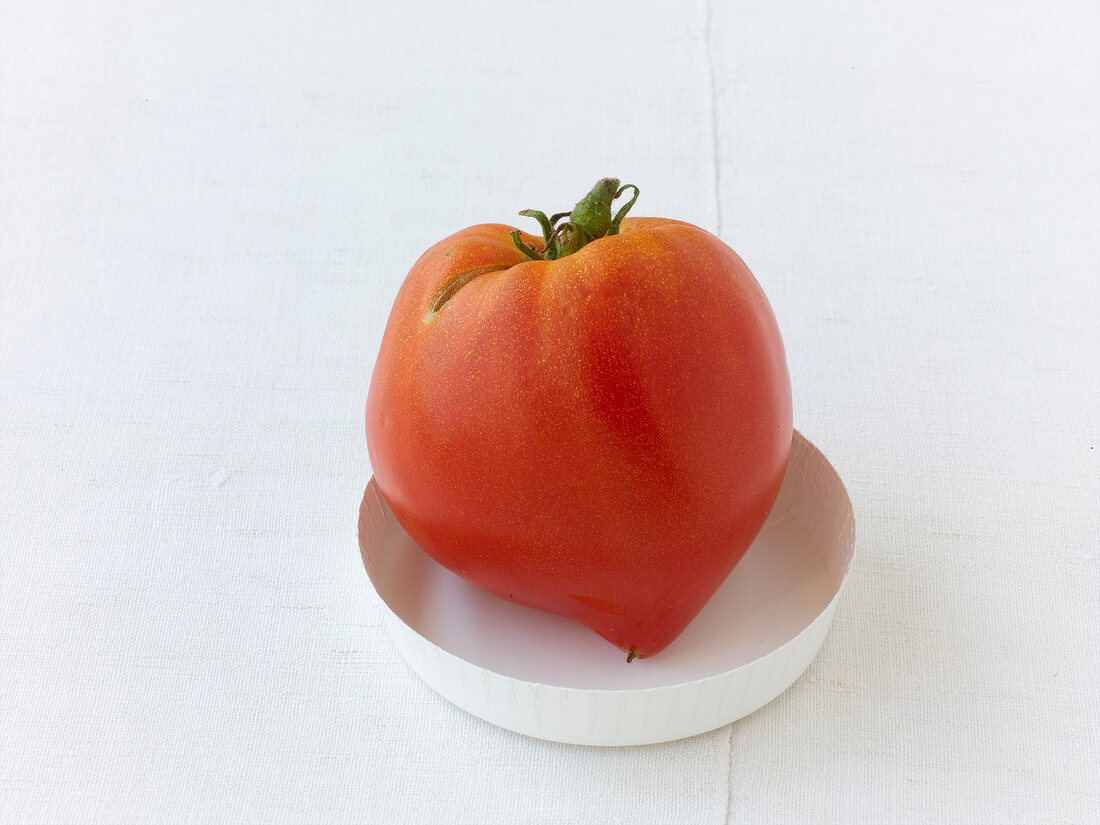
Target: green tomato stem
[590, 219]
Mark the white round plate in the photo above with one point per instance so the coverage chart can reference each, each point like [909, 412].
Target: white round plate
[546, 676]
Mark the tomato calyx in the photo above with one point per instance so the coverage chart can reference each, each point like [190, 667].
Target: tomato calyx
[590, 219]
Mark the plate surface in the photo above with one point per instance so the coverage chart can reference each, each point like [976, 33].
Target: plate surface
[549, 677]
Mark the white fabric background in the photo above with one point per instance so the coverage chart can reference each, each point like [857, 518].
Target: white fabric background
[207, 210]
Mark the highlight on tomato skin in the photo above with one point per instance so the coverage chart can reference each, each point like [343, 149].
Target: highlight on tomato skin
[595, 425]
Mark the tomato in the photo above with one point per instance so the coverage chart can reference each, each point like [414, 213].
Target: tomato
[600, 434]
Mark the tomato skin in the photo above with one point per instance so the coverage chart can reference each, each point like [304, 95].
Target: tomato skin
[600, 436]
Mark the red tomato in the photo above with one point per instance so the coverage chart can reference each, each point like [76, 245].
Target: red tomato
[600, 436]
